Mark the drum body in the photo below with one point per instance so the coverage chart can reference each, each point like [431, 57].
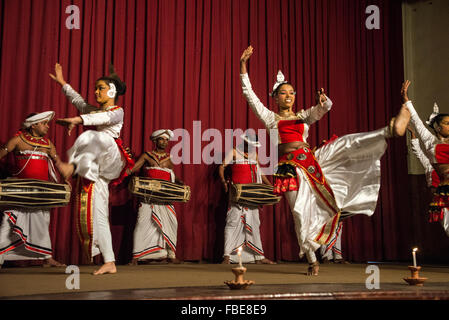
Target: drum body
[253, 194]
[158, 191]
[33, 193]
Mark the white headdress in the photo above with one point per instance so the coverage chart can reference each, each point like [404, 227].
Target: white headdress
[43, 116]
[166, 133]
[435, 112]
[280, 79]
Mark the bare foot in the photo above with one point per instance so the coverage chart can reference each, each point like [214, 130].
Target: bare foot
[325, 261]
[313, 269]
[226, 260]
[341, 261]
[108, 267]
[265, 261]
[52, 263]
[133, 262]
[174, 260]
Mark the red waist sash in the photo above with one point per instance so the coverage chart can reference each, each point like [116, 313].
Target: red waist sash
[155, 173]
[243, 173]
[32, 166]
[304, 159]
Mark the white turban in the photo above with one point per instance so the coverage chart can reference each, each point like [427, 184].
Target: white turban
[43, 116]
[165, 133]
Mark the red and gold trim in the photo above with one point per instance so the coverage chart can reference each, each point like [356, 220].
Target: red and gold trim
[84, 214]
[34, 141]
[129, 163]
[159, 158]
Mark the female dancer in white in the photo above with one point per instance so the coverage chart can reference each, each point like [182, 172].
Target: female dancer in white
[338, 180]
[98, 157]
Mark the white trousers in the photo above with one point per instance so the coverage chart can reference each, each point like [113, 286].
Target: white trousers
[351, 165]
[24, 235]
[335, 253]
[242, 230]
[155, 234]
[102, 237]
[98, 158]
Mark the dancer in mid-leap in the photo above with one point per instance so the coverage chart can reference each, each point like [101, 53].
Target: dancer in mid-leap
[338, 180]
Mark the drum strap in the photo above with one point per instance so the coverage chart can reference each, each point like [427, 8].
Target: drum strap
[24, 166]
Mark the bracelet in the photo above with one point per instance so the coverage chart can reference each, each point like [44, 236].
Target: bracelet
[5, 148]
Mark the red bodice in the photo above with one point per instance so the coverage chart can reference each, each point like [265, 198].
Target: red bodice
[291, 130]
[442, 153]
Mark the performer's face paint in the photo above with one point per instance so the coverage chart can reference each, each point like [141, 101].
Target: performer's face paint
[285, 96]
[101, 89]
[40, 129]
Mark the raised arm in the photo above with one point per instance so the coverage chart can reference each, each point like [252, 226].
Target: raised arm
[74, 97]
[315, 113]
[263, 113]
[420, 130]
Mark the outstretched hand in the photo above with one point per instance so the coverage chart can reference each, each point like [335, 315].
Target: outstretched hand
[404, 89]
[58, 76]
[69, 123]
[246, 54]
[321, 97]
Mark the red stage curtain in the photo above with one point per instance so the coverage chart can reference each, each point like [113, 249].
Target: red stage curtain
[180, 61]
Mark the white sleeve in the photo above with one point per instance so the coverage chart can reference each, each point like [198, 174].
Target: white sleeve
[106, 118]
[422, 133]
[77, 100]
[315, 113]
[263, 113]
[417, 151]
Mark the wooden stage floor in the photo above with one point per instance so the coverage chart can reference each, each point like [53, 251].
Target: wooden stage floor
[198, 281]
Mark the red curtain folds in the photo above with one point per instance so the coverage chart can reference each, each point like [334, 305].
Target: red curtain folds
[180, 61]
